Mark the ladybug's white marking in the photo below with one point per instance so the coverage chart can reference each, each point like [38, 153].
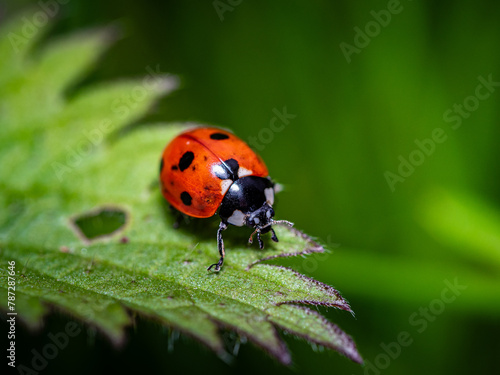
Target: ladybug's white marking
[218, 170]
[237, 218]
[225, 185]
[242, 172]
[269, 192]
[278, 187]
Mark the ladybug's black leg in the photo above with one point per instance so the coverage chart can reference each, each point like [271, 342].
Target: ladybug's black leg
[273, 236]
[259, 240]
[178, 217]
[220, 245]
[261, 243]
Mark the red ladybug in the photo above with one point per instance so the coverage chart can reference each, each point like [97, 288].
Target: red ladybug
[204, 169]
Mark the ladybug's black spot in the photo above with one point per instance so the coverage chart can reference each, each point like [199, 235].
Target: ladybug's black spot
[186, 198]
[219, 136]
[186, 160]
[162, 164]
[174, 167]
[228, 169]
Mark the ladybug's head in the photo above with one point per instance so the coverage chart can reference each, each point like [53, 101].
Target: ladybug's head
[249, 201]
[262, 220]
[261, 217]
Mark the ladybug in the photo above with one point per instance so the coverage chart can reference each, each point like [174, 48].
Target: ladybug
[205, 169]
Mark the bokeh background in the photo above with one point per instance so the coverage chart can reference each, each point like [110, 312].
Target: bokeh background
[364, 84]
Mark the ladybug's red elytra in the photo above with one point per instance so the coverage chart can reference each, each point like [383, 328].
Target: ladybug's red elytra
[206, 169]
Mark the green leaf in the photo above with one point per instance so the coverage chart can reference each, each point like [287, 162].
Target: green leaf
[82, 216]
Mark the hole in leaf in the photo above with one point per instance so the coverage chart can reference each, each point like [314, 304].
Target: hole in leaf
[99, 223]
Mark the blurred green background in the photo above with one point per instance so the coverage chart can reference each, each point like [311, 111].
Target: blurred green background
[367, 86]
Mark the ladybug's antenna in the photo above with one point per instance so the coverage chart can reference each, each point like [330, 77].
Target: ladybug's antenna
[281, 222]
